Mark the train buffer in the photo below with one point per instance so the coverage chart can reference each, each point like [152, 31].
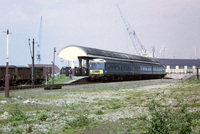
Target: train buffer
[77, 79]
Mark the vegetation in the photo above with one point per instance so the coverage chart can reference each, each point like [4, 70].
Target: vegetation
[17, 117]
[124, 107]
[80, 121]
[59, 79]
[167, 120]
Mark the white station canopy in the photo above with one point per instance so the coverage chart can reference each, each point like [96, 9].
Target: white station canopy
[71, 53]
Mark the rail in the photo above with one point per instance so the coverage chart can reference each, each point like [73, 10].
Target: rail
[50, 86]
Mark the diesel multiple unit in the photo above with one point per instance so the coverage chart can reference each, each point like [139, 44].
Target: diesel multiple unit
[100, 69]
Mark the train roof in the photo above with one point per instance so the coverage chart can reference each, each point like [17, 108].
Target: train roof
[73, 52]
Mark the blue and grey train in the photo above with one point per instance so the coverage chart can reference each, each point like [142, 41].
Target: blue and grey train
[108, 70]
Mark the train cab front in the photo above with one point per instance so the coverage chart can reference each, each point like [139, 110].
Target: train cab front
[96, 69]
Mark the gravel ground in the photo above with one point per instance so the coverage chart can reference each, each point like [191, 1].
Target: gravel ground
[116, 100]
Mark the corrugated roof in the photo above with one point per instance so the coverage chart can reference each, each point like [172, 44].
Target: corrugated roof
[180, 62]
[14, 66]
[56, 68]
[105, 54]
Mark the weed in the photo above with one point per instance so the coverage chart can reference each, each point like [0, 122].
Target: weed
[29, 129]
[142, 117]
[17, 116]
[62, 114]
[165, 120]
[131, 129]
[43, 116]
[72, 106]
[16, 131]
[99, 112]
[79, 122]
[113, 106]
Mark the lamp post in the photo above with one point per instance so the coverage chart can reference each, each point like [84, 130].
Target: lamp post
[53, 64]
[7, 69]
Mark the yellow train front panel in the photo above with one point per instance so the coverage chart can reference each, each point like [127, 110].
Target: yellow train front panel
[96, 71]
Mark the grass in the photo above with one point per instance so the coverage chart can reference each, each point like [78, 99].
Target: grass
[59, 79]
[124, 108]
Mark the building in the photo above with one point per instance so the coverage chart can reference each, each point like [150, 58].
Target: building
[180, 66]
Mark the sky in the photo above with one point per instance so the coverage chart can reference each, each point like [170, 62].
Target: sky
[171, 26]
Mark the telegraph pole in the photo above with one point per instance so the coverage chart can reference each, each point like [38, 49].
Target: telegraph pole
[33, 58]
[7, 69]
[53, 64]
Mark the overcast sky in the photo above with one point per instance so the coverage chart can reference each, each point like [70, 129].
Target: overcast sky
[173, 24]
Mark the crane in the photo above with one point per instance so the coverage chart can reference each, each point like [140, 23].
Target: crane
[40, 42]
[139, 48]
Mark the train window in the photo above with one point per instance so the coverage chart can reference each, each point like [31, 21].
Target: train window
[115, 67]
[119, 67]
[96, 65]
[108, 67]
[122, 67]
[111, 67]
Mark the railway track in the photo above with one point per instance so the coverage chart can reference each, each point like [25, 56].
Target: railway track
[47, 87]
[59, 86]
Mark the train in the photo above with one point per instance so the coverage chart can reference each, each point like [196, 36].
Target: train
[77, 71]
[109, 70]
[20, 75]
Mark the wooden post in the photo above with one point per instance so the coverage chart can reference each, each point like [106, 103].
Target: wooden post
[80, 66]
[197, 73]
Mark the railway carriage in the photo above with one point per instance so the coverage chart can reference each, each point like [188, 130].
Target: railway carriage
[22, 75]
[100, 69]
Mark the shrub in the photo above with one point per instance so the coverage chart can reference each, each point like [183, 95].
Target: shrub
[165, 120]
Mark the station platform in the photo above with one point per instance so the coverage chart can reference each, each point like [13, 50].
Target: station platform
[77, 79]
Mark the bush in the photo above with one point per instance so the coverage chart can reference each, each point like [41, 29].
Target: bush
[165, 120]
[79, 122]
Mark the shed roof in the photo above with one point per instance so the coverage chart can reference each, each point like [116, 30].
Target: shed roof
[180, 62]
[56, 68]
[72, 53]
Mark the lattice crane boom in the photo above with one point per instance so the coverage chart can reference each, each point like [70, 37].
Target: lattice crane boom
[139, 48]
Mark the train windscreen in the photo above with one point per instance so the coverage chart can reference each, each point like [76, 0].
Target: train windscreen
[97, 65]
